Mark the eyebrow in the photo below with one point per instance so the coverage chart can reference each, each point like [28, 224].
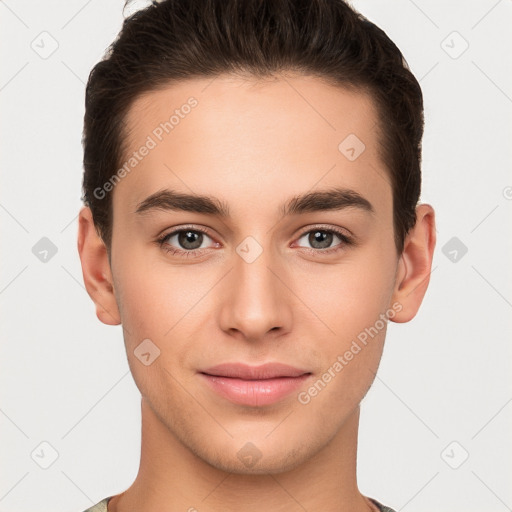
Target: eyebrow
[324, 200]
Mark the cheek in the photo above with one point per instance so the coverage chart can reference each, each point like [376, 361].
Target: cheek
[348, 297]
[358, 314]
[160, 305]
[140, 304]
[149, 309]
[350, 365]
[148, 299]
[350, 303]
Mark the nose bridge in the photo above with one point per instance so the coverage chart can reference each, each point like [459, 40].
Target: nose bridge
[255, 302]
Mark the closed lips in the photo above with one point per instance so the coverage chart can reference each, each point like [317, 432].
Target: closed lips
[247, 372]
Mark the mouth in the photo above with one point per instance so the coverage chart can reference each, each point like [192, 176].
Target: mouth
[254, 385]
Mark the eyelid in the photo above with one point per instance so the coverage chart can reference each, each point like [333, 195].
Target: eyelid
[326, 227]
[175, 229]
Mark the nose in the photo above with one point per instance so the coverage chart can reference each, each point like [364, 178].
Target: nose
[256, 300]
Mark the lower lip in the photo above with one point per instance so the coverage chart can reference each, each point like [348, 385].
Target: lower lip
[254, 392]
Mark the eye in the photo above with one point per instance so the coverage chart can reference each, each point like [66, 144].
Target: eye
[321, 239]
[189, 241]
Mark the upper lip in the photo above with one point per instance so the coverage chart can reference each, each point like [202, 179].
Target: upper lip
[247, 372]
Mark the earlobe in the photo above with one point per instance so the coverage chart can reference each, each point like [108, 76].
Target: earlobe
[415, 264]
[96, 270]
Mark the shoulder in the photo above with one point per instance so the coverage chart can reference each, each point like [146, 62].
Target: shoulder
[101, 506]
[380, 506]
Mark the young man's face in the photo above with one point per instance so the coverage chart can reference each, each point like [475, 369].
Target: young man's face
[260, 286]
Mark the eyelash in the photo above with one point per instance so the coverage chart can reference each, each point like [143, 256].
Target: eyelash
[345, 241]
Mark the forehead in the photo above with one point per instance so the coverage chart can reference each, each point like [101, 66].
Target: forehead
[237, 138]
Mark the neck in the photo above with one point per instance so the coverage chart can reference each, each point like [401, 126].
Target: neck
[171, 478]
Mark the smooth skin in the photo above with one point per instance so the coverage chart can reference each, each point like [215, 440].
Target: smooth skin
[253, 145]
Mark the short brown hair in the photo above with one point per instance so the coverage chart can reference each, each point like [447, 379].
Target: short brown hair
[176, 40]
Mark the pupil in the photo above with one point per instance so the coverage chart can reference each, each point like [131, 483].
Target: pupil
[323, 238]
[188, 239]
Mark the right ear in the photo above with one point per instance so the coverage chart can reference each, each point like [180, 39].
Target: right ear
[96, 269]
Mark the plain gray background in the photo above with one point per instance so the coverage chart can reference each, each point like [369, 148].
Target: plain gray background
[435, 427]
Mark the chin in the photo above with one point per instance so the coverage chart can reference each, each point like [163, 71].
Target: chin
[272, 464]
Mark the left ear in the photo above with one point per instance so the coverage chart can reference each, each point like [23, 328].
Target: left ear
[414, 266]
